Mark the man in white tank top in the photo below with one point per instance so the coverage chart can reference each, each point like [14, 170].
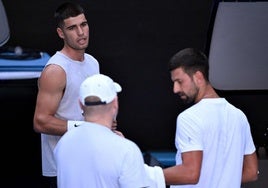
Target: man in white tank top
[57, 109]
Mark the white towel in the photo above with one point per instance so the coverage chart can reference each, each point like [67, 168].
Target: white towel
[156, 175]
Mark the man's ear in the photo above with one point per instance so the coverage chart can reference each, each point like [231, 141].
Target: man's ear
[115, 101]
[60, 33]
[198, 77]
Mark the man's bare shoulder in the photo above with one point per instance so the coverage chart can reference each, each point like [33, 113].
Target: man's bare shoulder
[52, 69]
[53, 75]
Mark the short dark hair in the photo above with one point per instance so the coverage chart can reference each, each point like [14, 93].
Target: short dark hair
[190, 60]
[67, 10]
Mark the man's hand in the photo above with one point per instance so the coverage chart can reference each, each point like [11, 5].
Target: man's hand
[114, 127]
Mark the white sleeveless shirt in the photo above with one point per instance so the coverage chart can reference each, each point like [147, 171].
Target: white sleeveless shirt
[69, 108]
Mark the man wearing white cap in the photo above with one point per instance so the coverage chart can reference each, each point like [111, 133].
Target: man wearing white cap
[92, 155]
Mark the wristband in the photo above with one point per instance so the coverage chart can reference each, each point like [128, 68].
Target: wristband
[72, 124]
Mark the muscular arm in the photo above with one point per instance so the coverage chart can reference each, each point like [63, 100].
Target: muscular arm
[51, 87]
[250, 168]
[186, 173]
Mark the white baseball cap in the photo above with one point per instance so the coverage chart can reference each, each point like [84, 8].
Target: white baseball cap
[101, 86]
